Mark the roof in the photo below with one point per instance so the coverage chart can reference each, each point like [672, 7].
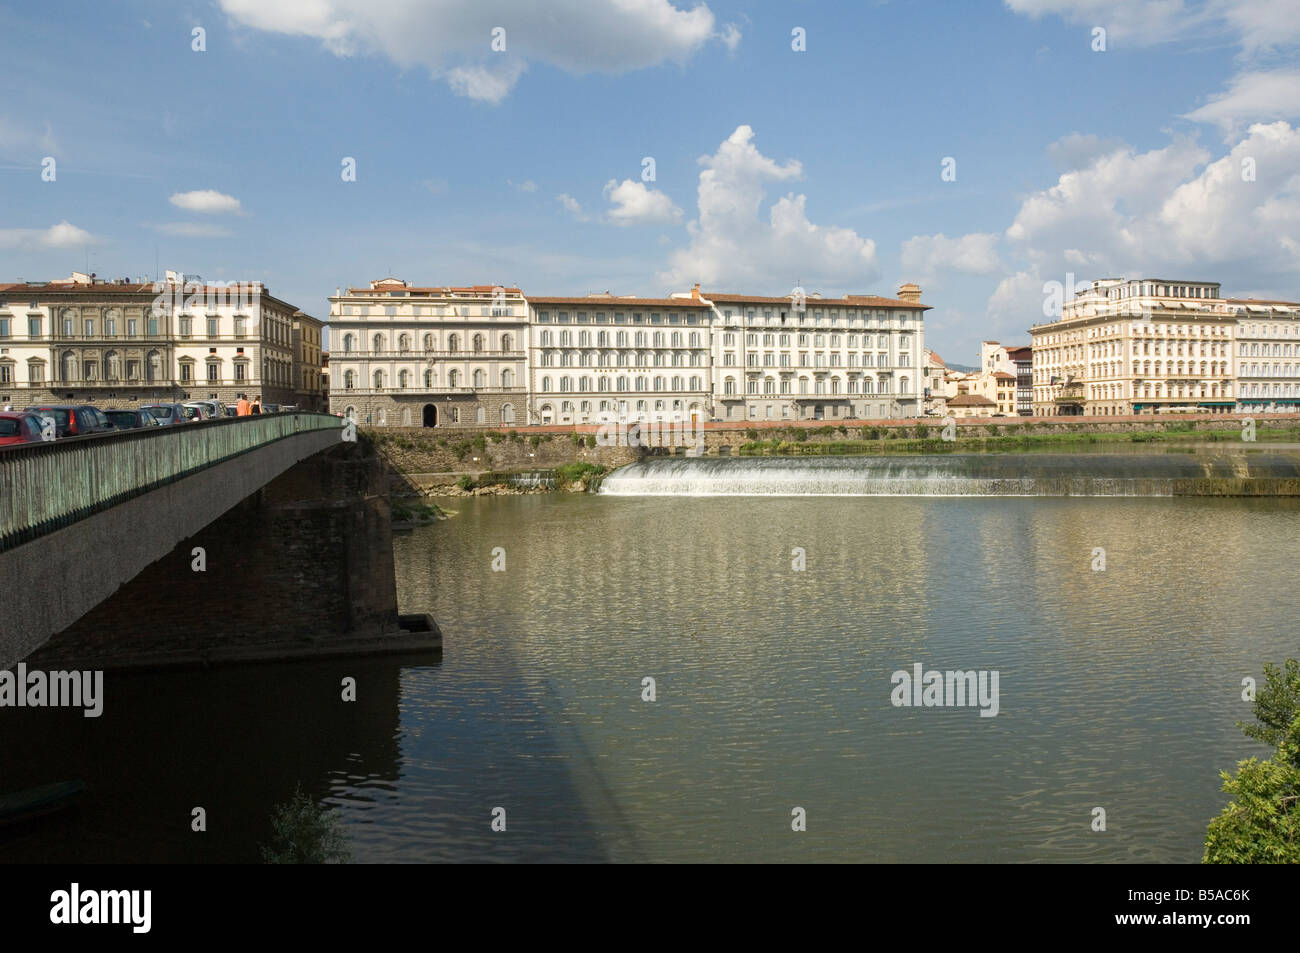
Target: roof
[629, 302]
[485, 290]
[1250, 301]
[1024, 353]
[1003, 375]
[855, 301]
[936, 358]
[970, 400]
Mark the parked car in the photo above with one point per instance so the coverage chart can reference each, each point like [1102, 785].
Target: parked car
[270, 408]
[166, 414]
[131, 419]
[231, 411]
[192, 413]
[18, 426]
[203, 410]
[74, 420]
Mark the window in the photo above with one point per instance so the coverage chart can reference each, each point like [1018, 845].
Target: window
[213, 325]
[239, 327]
[187, 371]
[4, 327]
[212, 372]
[33, 327]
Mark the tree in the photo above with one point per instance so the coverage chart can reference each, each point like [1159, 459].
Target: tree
[1261, 824]
[304, 832]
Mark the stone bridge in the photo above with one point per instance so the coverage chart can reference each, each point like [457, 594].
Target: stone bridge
[255, 537]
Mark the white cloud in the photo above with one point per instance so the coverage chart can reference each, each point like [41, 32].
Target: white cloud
[1175, 211]
[634, 204]
[1253, 97]
[928, 255]
[732, 247]
[573, 207]
[62, 235]
[193, 230]
[1141, 21]
[528, 185]
[485, 84]
[730, 37]
[207, 201]
[452, 39]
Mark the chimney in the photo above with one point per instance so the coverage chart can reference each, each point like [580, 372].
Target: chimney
[695, 292]
[910, 292]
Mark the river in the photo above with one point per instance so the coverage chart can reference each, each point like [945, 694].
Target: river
[1118, 689]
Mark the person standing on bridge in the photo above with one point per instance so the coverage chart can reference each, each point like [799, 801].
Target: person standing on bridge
[257, 404]
[243, 408]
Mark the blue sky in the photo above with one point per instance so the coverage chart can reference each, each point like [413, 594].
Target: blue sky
[772, 166]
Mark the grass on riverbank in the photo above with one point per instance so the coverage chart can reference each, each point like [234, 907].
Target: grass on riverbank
[923, 439]
[410, 511]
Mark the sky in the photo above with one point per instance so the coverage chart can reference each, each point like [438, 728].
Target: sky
[981, 149]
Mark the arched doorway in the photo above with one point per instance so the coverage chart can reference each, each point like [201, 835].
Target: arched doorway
[430, 415]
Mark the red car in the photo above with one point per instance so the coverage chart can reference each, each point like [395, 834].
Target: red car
[19, 427]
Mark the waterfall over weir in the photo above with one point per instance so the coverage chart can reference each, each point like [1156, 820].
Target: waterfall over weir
[1004, 474]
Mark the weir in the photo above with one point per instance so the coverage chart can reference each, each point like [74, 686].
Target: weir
[1223, 473]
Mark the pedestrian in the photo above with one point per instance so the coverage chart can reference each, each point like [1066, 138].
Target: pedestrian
[243, 408]
[257, 404]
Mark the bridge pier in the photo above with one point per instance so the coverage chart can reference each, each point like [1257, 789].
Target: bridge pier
[302, 567]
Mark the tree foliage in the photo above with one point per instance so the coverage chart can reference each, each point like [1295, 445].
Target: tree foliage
[1261, 824]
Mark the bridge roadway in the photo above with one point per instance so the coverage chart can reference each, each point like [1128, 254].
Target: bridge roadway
[83, 515]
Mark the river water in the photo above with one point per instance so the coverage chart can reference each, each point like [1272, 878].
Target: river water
[1118, 689]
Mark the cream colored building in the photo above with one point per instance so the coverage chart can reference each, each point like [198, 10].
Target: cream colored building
[814, 358]
[1140, 346]
[429, 356]
[118, 342]
[624, 355]
[1268, 355]
[311, 386]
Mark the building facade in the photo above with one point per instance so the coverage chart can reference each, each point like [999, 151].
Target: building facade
[311, 383]
[429, 356]
[86, 339]
[1140, 346]
[1268, 355]
[475, 356]
[814, 358]
[622, 355]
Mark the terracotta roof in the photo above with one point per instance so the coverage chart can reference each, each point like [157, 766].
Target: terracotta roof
[970, 400]
[627, 303]
[857, 301]
[1020, 353]
[1003, 375]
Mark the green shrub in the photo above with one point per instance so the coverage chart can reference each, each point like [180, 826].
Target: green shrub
[303, 832]
[466, 482]
[591, 440]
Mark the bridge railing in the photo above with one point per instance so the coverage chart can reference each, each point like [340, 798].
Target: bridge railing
[47, 486]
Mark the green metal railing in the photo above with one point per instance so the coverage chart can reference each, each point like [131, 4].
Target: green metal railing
[47, 486]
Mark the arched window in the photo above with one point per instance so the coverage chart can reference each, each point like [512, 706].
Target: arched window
[349, 342]
[478, 342]
[480, 378]
[428, 380]
[505, 343]
[480, 415]
[349, 380]
[507, 378]
[546, 385]
[566, 385]
[729, 385]
[112, 366]
[68, 366]
[153, 366]
[428, 342]
[379, 380]
[404, 342]
[452, 378]
[378, 343]
[453, 343]
[403, 378]
[507, 413]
